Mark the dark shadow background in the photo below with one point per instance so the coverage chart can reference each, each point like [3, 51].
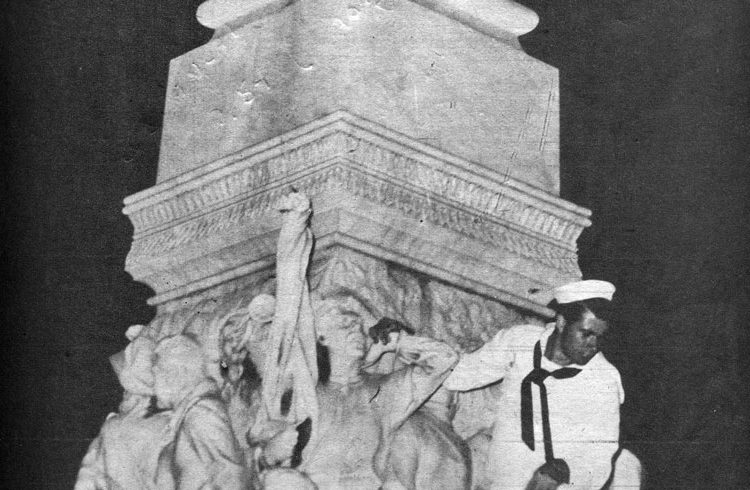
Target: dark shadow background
[655, 118]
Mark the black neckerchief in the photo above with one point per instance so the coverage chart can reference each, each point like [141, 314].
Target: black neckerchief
[537, 376]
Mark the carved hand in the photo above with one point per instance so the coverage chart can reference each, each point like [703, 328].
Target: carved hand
[380, 332]
[279, 448]
[378, 348]
[412, 349]
[294, 201]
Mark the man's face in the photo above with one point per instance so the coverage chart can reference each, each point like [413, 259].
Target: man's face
[582, 340]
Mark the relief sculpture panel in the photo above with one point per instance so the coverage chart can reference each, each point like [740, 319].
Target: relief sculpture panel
[325, 372]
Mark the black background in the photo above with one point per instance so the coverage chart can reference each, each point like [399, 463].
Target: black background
[655, 123]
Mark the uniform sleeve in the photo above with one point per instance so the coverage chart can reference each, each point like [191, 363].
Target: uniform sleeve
[485, 365]
[208, 435]
[599, 433]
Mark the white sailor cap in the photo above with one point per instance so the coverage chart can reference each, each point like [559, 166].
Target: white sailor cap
[583, 290]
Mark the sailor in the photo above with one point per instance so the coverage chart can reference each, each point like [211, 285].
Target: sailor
[558, 415]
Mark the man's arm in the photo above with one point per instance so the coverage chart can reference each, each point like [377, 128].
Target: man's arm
[483, 366]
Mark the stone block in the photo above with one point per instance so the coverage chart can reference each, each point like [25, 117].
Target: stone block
[427, 73]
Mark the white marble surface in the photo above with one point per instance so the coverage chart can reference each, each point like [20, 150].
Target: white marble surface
[375, 191]
[427, 142]
[403, 65]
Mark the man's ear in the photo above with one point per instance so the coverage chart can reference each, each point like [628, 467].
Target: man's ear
[559, 323]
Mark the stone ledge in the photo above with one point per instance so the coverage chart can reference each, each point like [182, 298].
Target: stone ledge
[374, 191]
[246, 171]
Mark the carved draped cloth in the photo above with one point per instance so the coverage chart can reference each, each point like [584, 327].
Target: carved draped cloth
[124, 447]
[199, 449]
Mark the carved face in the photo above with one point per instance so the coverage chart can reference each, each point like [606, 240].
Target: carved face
[342, 333]
[241, 336]
[178, 367]
[257, 342]
[232, 333]
[581, 340]
[165, 387]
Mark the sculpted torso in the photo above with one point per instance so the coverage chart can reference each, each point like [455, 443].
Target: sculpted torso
[350, 431]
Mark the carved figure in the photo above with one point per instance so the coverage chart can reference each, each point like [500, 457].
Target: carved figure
[267, 445]
[374, 407]
[269, 376]
[199, 450]
[239, 331]
[364, 430]
[242, 338]
[426, 452]
[479, 445]
[118, 457]
[286, 354]
[274, 450]
[360, 413]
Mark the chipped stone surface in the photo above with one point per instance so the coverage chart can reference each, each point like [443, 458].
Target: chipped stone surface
[393, 62]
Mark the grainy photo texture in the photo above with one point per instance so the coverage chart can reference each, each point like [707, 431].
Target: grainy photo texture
[376, 244]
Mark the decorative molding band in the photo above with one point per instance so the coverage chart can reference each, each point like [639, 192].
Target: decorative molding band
[349, 177]
[210, 225]
[248, 175]
[440, 212]
[228, 217]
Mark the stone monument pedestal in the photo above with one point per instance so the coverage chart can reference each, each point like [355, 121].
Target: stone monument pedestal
[424, 136]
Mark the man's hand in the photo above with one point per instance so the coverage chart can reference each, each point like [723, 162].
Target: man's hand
[541, 481]
[550, 475]
[294, 201]
[280, 447]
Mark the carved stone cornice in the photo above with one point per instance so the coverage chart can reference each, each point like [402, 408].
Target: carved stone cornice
[370, 170]
[498, 19]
